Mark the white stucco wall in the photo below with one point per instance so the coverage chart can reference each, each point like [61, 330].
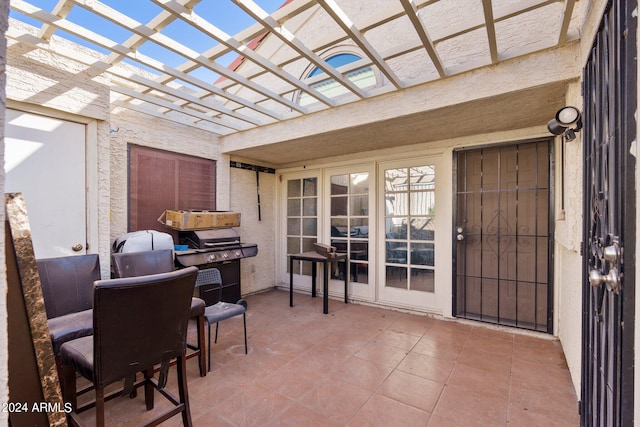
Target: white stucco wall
[258, 273]
[568, 235]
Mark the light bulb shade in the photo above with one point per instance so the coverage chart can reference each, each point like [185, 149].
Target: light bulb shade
[567, 116]
[556, 128]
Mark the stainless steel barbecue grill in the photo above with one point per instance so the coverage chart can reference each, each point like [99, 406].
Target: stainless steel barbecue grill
[219, 248]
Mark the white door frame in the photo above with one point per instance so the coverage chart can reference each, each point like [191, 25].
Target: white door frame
[91, 165]
[435, 302]
[360, 291]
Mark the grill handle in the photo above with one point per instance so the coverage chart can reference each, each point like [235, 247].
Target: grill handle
[212, 244]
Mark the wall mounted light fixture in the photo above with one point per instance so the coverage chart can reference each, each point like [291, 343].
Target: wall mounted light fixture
[566, 117]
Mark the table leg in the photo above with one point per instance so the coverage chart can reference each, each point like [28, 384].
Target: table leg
[290, 281]
[325, 296]
[314, 270]
[346, 283]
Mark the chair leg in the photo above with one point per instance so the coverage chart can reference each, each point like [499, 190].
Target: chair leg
[99, 407]
[216, 341]
[244, 320]
[209, 346]
[148, 389]
[184, 392]
[203, 349]
[68, 384]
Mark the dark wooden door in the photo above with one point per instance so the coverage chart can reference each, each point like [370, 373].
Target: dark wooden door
[503, 235]
[609, 226]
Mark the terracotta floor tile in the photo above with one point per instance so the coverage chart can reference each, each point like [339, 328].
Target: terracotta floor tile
[525, 417]
[363, 373]
[439, 347]
[540, 350]
[413, 325]
[493, 332]
[436, 421]
[381, 411]
[292, 381]
[480, 381]
[466, 408]
[427, 367]
[365, 366]
[350, 342]
[253, 406]
[495, 363]
[499, 346]
[560, 404]
[421, 393]
[398, 339]
[380, 353]
[298, 415]
[321, 359]
[336, 399]
[444, 333]
[262, 363]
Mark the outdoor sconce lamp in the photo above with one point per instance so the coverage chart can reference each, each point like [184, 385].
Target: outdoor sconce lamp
[565, 118]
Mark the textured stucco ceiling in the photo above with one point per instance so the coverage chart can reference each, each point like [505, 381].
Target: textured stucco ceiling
[515, 110]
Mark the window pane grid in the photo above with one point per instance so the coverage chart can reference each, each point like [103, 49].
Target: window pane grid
[409, 228]
[302, 219]
[350, 222]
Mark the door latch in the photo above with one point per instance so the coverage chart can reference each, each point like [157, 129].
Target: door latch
[611, 254]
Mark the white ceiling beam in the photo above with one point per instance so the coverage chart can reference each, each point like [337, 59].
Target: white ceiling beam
[292, 41]
[412, 13]
[341, 18]
[154, 100]
[100, 67]
[132, 25]
[99, 40]
[566, 20]
[217, 34]
[395, 12]
[182, 121]
[61, 10]
[491, 30]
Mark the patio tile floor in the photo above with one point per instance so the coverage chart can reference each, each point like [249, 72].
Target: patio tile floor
[365, 366]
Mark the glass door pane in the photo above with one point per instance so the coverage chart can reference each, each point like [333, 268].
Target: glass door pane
[302, 219]
[349, 220]
[410, 228]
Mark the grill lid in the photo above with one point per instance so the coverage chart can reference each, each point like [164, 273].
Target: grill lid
[202, 239]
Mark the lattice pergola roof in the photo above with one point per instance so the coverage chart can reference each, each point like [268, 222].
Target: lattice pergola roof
[175, 60]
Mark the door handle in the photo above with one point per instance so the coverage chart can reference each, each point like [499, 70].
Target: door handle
[460, 234]
[611, 279]
[77, 247]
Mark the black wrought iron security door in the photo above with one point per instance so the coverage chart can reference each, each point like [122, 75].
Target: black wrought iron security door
[609, 227]
[503, 235]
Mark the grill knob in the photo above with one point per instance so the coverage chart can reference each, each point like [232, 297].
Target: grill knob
[238, 253]
[212, 257]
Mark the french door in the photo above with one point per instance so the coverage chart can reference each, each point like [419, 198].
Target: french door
[407, 238]
[349, 222]
[300, 205]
